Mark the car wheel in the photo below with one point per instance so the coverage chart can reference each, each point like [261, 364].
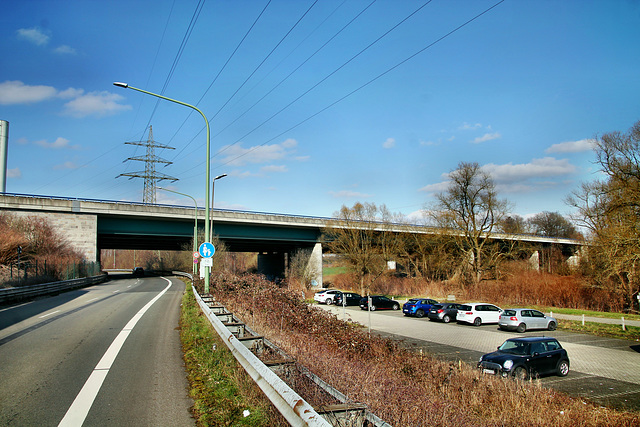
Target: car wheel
[420, 313]
[552, 326]
[521, 328]
[520, 373]
[396, 306]
[477, 321]
[328, 301]
[373, 308]
[446, 318]
[563, 368]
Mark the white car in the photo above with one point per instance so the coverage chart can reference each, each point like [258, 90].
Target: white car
[327, 296]
[478, 313]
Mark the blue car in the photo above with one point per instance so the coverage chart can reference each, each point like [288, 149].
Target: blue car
[418, 307]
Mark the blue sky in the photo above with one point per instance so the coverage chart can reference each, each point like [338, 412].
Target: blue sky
[316, 105]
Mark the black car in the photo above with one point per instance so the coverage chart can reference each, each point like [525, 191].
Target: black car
[378, 302]
[138, 272]
[349, 298]
[525, 358]
[445, 311]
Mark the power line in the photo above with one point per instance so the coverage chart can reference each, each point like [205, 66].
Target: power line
[216, 78]
[361, 86]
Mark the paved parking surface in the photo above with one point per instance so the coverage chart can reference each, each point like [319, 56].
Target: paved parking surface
[603, 370]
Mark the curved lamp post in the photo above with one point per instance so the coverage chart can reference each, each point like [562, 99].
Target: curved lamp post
[213, 192]
[195, 221]
[208, 167]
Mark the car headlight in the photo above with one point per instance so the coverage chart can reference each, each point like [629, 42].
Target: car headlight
[508, 364]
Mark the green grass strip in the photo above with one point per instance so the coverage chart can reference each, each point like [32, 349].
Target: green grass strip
[600, 329]
[222, 391]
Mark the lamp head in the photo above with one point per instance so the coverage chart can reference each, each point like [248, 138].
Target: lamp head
[120, 84]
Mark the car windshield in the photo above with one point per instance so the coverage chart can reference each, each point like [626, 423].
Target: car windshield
[465, 308]
[436, 307]
[515, 347]
[412, 301]
[509, 313]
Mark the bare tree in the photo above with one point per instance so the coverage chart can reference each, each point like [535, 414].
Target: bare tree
[300, 270]
[610, 210]
[362, 236]
[552, 224]
[470, 209]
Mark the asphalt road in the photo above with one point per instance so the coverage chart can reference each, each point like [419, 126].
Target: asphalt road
[103, 355]
[603, 370]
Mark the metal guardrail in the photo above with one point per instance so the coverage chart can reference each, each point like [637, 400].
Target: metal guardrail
[292, 407]
[25, 292]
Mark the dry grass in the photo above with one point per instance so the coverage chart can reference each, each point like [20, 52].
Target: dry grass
[403, 388]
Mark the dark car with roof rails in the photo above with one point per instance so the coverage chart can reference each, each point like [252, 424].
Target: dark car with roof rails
[528, 357]
[443, 311]
[347, 298]
[379, 302]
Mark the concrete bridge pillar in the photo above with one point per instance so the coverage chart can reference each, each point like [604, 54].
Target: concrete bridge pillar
[534, 261]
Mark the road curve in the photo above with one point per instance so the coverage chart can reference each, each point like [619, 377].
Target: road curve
[50, 347]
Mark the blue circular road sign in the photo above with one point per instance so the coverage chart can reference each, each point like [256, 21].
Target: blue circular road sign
[207, 250]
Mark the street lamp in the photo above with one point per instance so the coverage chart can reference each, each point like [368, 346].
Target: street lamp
[195, 224]
[208, 168]
[213, 187]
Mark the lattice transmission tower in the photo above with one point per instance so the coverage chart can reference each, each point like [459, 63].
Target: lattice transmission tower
[150, 175]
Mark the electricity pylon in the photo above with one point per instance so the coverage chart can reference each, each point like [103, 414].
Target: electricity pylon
[150, 175]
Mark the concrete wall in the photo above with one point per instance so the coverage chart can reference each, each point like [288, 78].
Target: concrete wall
[80, 230]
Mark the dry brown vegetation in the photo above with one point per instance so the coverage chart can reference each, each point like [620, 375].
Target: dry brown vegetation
[46, 255]
[403, 388]
[521, 287]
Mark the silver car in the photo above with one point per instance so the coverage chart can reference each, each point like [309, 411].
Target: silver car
[523, 319]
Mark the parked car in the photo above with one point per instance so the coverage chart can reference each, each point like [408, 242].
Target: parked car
[138, 272]
[478, 313]
[417, 306]
[349, 298]
[378, 302]
[523, 319]
[326, 296]
[526, 357]
[444, 311]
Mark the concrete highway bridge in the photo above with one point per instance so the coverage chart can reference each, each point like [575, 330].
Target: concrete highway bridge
[91, 225]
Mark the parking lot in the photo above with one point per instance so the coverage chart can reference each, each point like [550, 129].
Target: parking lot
[603, 370]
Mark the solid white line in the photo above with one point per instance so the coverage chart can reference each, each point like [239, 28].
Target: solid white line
[80, 407]
[48, 314]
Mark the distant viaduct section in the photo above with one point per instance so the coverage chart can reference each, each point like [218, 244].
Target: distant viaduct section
[91, 225]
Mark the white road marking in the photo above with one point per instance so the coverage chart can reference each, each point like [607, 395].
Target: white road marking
[49, 314]
[116, 291]
[80, 407]
[92, 299]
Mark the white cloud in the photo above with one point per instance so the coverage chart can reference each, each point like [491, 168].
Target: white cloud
[16, 92]
[519, 178]
[572, 146]
[66, 165]
[70, 93]
[14, 173]
[95, 104]
[33, 35]
[274, 168]
[348, 194]
[57, 144]
[486, 137]
[467, 126]
[389, 143]
[537, 168]
[435, 188]
[64, 50]
[237, 155]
